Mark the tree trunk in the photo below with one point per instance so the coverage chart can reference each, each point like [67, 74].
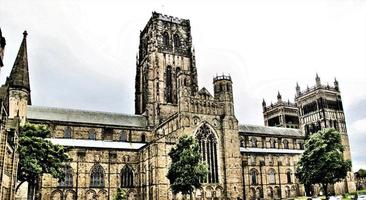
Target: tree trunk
[325, 188]
[30, 195]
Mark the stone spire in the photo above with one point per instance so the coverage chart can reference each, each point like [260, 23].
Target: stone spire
[19, 75]
[317, 80]
[279, 97]
[336, 84]
[297, 89]
[2, 47]
[264, 105]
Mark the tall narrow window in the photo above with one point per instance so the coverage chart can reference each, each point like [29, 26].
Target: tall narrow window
[253, 175]
[176, 41]
[273, 143]
[67, 132]
[166, 39]
[97, 176]
[208, 148]
[271, 176]
[168, 85]
[126, 177]
[285, 144]
[143, 137]
[288, 174]
[91, 134]
[254, 142]
[67, 182]
[123, 136]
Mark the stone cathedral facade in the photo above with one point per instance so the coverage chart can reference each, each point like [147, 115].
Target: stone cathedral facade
[115, 150]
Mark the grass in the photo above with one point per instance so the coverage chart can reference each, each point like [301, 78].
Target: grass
[346, 196]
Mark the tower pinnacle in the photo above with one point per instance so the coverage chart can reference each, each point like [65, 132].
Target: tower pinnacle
[19, 75]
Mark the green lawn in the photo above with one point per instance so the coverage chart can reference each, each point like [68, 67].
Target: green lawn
[347, 196]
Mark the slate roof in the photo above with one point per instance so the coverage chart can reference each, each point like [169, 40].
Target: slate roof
[85, 116]
[256, 129]
[267, 150]
[96, 144]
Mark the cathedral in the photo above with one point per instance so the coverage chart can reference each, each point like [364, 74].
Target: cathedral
[130, 151]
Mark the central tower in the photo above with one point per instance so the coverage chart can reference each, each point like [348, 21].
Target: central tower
[165, 49]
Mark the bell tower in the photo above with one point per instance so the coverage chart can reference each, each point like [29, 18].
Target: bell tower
[165, 49]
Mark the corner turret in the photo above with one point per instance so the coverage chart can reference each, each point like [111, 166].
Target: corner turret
[223, 92]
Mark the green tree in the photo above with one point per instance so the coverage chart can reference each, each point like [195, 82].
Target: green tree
[361, 173]
[121, 194]
[186, 169]
[38, 156]
[322, 161]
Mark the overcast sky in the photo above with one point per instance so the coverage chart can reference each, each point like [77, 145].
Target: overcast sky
[82, 53]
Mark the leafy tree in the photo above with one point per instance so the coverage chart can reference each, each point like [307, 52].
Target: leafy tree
[361, 173]
[38, 156]
[121, 194]
[186, 169]
[322, 161]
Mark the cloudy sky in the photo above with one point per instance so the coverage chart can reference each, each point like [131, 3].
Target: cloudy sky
[82, 53]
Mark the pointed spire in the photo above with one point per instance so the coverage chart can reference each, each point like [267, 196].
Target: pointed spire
[279, 97]
[336, 84]
[19, 75]
[264, 105]
[317, 80]
[2, 46]
[297, 88]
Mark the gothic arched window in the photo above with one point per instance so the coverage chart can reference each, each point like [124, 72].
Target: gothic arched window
[285, 144]
[288, 175]
[126, 177]
[208, 148]
[271, 176]
[67, 182]
[91, 134]
[176, 40]
[254, 142]
[168, 85]
[143, 137]
[67, 132]
[166, 39]
[97, 176]
[273, 143]
[254, 178]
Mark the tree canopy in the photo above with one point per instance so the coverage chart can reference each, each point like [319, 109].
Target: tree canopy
[322, 161]
[186, 168]
[38, 155]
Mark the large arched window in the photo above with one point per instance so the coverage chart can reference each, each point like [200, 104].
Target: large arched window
[176, 41]
[254, 177]
[208, 148]
[91, 134]
[67, 182]
[271, 176]
[166, 39]
[97, 176]
[169, 85]
[126, 177]
[288, 175]
[67, 132]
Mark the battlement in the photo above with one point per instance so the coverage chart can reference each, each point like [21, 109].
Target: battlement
[222, 77]
[169, 18]
[282, 103]
[309, 90]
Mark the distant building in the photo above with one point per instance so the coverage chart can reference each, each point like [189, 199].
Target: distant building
[114, 150]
